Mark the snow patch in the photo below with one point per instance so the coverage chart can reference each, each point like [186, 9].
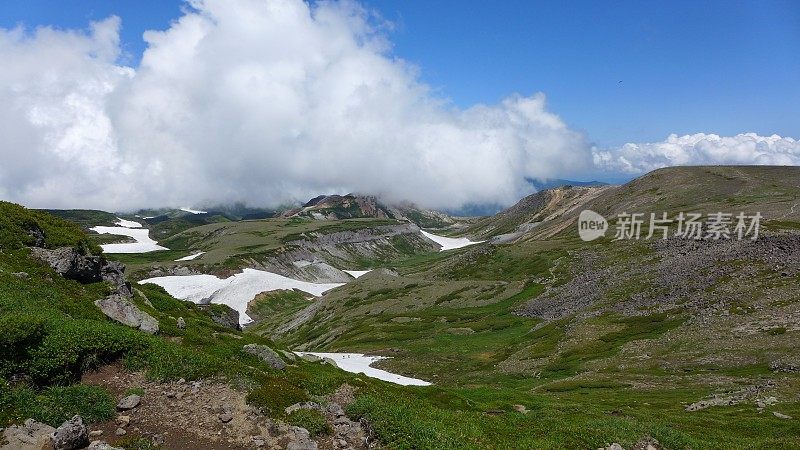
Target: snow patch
[143, 242]
[449, 243]
[193, 211]
[356, 273]
[128, 223]
[190, 257]
[235, 291]
[359, 363]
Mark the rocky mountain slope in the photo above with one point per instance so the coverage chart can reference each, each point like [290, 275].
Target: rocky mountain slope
[350, 206]
[533, 339]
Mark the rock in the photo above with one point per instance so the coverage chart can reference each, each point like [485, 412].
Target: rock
[266, 354]
[120, 432]
[124, 311]
[21, 275]
[223, 315]
[341, 420]
[129, 402]
[311, 358]
[37, 235]
[707, 403]
[780, 416]
[100, 445]
[520, 409]
[336, 409]
[181, 323]
[304, 405]
[32, 435]
[114, 273]
[95, 433]
[71, 435]
[71, 263]
[613, 446]
[647, 443]
[123, 421]
[158, 440]
[299, 439]
[225, 417]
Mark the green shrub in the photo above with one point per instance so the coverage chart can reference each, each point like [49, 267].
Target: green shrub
[310, 419]
[57, 404]
[275, 394]
[20, 335]
[19, 225]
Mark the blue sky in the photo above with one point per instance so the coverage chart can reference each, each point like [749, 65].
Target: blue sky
[619, 71]
[276, 101]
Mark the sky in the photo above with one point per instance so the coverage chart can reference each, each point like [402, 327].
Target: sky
[443, 103]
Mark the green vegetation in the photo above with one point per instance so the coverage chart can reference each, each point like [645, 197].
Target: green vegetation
[310, 419]
[605, 356]
[22, 227]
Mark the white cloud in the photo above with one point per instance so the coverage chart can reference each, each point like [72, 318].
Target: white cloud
[699, 149]
[268, 102]
[256, 101]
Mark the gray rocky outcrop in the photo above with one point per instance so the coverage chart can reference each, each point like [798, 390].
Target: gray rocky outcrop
[124, 311]
[71, 435]
[266, 354]
[72, 264]
[32, 435]
[223, 315]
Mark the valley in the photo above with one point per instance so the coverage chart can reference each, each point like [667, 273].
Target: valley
[528, 336]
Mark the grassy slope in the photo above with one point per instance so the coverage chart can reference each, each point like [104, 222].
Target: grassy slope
[643, 368]
[586, 379]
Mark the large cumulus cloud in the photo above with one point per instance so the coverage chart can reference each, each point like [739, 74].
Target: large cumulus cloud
[275, 101]
[699, 149]
[263, 102]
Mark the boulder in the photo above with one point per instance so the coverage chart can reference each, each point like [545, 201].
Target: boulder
[71, 435]
[266, 354]
[32, 435]
[124, 311]
[299, 439]
[181, 324]
[223, 315]
[129, 402]
[72, 264]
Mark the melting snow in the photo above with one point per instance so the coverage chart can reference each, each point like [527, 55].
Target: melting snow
[194, 211]
[359, 363]
[449, 243]
[356, 273]
[143, 242]
[128, 223]
[190, 257]
[235, 291]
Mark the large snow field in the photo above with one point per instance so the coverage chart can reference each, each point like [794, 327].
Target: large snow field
[143, 242]
[235, 291]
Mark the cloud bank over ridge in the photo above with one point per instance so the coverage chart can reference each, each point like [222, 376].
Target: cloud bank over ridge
[270, 102]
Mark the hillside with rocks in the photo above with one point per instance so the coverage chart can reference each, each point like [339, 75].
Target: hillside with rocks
[522, 336]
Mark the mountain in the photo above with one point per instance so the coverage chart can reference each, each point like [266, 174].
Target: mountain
[351, 206]
[532, 338]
